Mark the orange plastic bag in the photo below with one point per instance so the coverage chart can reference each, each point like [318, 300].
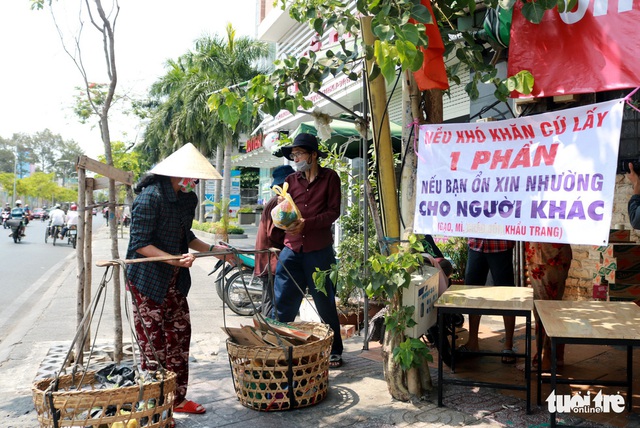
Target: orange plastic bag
[286, 212]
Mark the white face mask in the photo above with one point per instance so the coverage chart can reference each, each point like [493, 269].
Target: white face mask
[302, 165]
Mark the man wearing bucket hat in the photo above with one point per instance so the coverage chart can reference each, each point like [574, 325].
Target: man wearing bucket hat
[308, 241]
[162, 214]
[269, 236]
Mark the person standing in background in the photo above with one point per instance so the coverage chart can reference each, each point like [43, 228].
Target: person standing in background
[634, 201]
[269, 236]
[495, 256]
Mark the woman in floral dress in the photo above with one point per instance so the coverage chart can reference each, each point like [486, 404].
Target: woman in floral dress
[548, 265]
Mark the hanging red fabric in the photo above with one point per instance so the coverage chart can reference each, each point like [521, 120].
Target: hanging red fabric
[590, 49]
[433, 74]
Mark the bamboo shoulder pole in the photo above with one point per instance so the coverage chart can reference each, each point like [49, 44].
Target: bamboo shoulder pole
[232, 253]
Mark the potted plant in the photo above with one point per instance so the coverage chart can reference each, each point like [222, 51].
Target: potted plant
[456, 250]
[246, 215]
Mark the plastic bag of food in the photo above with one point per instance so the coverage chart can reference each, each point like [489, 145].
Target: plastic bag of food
[286, 212]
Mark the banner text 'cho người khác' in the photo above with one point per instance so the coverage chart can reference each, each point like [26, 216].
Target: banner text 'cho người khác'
[543, 178]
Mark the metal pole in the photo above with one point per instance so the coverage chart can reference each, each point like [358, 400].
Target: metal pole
[15, 176]
[365, 217]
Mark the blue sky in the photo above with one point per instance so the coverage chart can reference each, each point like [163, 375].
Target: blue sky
[37, 78]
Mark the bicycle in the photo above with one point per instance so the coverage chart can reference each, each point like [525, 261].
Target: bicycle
[237, 286]
[243, 289]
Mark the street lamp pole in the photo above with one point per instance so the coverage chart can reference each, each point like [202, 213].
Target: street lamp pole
[15, 176]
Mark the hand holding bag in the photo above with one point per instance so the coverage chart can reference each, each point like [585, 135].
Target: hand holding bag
[286, 212]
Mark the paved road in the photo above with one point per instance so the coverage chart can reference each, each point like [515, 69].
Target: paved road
[25, 270]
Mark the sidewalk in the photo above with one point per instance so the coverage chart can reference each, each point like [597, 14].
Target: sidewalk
[358, 394]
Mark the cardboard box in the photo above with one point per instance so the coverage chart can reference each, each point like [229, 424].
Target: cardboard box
[616, 235]
[346, 331]
[422, 294]
[624, 291]
[627, 257]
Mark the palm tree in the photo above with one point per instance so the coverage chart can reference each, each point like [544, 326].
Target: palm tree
[183, 115]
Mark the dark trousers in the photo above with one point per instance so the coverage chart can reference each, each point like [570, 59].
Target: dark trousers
[479, 265]
[267, 296]
[298, 268]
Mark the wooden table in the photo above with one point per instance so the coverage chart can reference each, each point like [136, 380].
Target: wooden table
[486, 300]
[589, 323]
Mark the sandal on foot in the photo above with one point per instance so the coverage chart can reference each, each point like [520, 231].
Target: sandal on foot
[508, 356]
[464, 352]
[188, 406]
[335, 361]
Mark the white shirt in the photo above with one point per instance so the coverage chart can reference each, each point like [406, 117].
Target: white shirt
[72, 218]
[57, 217]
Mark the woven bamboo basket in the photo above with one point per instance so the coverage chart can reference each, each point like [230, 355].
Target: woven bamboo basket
[87, 405]
[273, 378]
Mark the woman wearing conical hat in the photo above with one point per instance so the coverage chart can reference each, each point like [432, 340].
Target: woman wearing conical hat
[161, 226]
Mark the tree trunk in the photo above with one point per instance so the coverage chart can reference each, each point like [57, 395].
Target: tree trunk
[201, 198]
[82, 277]
[226, 179]
[393, 374]
[418, 380]
[226, 187]
[217, 195]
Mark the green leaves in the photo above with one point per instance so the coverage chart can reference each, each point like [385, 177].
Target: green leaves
[534, 11]
[421, 14]
[521, 82]
[411, 353]
[385, 55]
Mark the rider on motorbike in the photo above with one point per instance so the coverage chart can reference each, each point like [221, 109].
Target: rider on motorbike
[72, 220]
[27, 214]
[17, 213]
[6, 214]
[57, 219]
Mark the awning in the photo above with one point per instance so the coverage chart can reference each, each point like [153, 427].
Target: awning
[259, 158]
[347, 138]
[344, 134]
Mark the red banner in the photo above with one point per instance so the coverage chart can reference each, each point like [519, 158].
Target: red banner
[590, 49]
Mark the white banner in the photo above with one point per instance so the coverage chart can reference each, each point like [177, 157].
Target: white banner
[543, 178]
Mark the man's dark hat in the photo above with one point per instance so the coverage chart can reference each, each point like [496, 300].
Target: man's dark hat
[307, 141]
[280, 173]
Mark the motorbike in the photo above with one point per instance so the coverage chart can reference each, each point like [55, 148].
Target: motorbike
[16, 226]
[5, 216]
[52, 232]
[72, 236]
[237, 286]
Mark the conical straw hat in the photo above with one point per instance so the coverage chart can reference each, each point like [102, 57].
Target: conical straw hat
[187, 162]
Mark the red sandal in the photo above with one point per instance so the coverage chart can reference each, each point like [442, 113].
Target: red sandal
[188, 406]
